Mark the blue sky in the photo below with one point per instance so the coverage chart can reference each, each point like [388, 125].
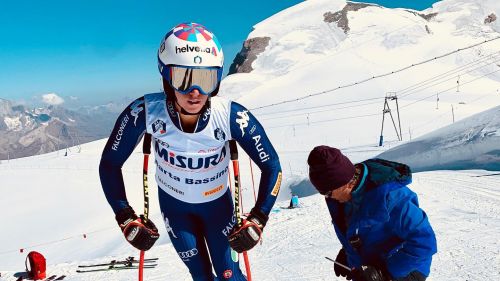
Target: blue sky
[103, 50]
[410, 4]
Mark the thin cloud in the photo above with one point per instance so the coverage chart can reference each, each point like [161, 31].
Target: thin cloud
[52, 99]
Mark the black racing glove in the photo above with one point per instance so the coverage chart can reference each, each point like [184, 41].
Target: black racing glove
[141, 235]
[339, 270]
[368, 273]
[245, 236]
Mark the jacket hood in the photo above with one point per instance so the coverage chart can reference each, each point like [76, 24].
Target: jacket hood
[383, 177]
[382, 171]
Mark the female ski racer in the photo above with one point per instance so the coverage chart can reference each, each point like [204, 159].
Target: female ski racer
[191, 128]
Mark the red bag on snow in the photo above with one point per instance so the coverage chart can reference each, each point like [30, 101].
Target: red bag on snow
[37, 265]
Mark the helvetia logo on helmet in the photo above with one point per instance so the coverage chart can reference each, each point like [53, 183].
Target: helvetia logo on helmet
[187, 49]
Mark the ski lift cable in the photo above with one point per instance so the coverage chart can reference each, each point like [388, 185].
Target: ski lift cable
[464, 66]
[320, 106]
[326, 120]
[375, 114]
[378, 76]
[451, 88]
[452, 73]
[416, 90]
[324, 110]
[56, 241]
[442, 79]
[357, 101]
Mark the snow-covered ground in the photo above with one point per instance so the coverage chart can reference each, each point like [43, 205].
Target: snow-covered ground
[472, 143]
[54, 203]
[53, 200]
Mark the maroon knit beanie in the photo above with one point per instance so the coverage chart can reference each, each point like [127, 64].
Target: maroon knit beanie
[329, 169]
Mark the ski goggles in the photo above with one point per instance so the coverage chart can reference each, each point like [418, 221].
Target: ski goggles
[185, 79]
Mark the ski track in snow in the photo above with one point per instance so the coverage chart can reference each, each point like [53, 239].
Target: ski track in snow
[464, 211]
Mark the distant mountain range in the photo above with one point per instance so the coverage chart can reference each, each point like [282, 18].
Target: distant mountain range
[28, 131]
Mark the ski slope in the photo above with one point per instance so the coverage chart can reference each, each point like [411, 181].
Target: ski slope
[54, 203]
[55, 199]
[472, 143]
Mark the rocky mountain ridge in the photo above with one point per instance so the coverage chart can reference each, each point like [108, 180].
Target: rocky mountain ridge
[28, 131]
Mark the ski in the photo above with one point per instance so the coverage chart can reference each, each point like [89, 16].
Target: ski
[60, 277]
[116, 268]
[128, 261]
[133, 259]
[50, 278]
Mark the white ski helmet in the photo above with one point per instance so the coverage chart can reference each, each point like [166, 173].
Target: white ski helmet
[192, 46]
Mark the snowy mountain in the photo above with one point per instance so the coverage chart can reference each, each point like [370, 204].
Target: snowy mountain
[472, 143]
[322, 63]
[28, 131]
[347, 57]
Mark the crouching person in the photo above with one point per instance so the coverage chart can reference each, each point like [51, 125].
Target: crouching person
[384, 234]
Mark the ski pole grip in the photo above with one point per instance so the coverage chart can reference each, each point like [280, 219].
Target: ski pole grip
[146, 144]
[233, 148]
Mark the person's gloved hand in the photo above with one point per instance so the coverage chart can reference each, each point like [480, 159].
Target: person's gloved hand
[247, 235]
[339, 270]
[139, 234]
[368, 273]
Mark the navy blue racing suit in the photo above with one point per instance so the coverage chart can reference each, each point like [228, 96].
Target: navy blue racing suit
[197, 210]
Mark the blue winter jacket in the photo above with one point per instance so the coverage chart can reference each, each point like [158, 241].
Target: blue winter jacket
[395, 234]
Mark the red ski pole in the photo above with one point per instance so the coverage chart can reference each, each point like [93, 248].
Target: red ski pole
[237, 189]
[146, 150]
